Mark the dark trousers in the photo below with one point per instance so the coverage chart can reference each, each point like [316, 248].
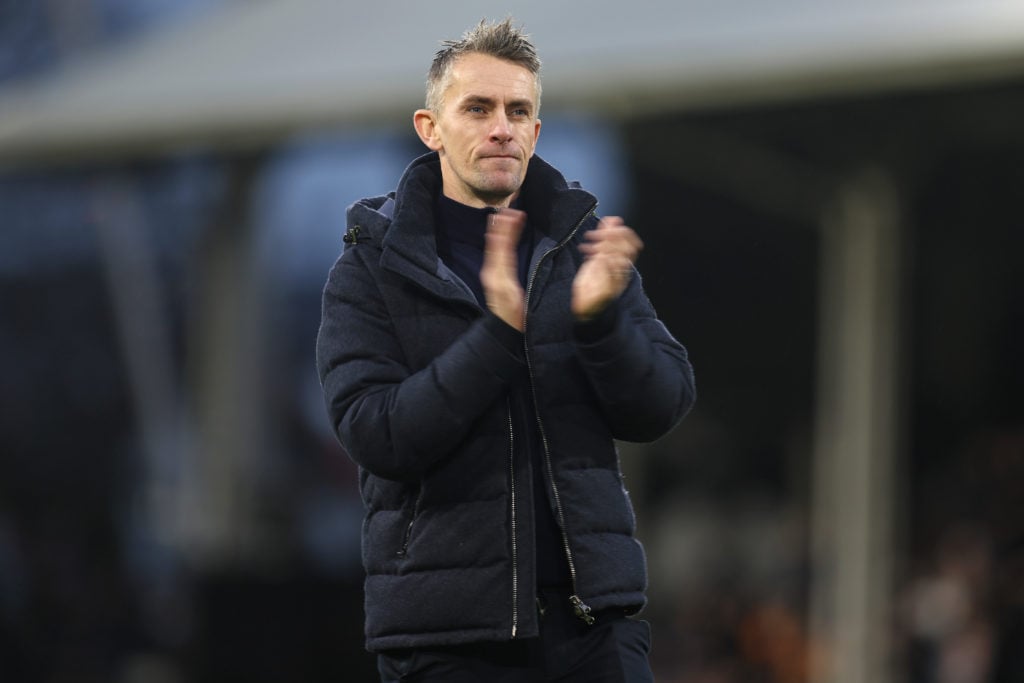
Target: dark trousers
[612, 650]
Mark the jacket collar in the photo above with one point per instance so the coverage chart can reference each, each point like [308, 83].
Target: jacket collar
[555, 208]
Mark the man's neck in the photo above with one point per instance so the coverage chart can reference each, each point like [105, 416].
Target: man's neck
[478, 202]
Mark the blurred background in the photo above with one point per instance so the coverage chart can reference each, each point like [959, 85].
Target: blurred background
[829, 196]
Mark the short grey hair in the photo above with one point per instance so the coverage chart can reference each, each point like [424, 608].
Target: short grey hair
[499, 39]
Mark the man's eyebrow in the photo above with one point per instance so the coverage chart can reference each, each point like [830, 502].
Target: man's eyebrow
[521, 104]
[478, 99]
[490, 102]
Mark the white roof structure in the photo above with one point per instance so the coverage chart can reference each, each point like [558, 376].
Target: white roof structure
[254, 70]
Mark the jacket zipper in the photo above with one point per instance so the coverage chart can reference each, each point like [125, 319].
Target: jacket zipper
[580, 608]
[512, 505]
[407, 536]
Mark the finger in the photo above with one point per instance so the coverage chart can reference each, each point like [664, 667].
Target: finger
[615, 264]
[611, 227]
[610, 222]
[605, 228]
[615, 230]
[511, 219]
[503, 231]
[620, 240]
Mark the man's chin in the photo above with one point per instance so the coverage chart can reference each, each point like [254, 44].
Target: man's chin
[501, 183]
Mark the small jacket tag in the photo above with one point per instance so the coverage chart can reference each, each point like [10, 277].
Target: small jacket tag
[351, 235]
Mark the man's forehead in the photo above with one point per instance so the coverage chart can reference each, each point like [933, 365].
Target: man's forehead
[482, 72]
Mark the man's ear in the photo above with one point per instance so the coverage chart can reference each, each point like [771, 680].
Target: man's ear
[425, 123]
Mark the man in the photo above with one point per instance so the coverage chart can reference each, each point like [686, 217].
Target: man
[484, 341]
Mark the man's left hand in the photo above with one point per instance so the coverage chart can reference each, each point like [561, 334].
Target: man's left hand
[609, 253]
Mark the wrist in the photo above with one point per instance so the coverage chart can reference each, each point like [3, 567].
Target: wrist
[599, 324]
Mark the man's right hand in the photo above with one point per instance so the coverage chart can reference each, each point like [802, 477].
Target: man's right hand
[499, 275]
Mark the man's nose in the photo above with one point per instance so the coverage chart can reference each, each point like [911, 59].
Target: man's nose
[501, 131]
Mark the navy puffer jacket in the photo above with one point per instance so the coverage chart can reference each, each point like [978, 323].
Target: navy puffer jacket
[417, 380]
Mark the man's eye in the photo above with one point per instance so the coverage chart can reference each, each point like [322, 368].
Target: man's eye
[476, 109]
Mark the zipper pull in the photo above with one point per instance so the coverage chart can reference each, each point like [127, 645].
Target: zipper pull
[581, 609]
[405, 539]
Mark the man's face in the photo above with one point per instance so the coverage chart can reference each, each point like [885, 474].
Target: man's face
[486, 130]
